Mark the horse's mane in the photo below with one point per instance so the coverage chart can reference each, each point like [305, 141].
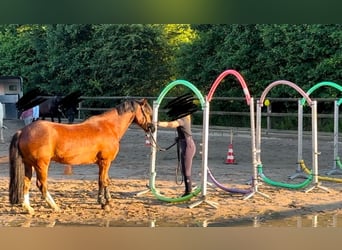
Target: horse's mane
[121, 108]
[128, 105]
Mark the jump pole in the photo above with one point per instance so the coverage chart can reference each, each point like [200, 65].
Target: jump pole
[335, 157]
[313, 106]
[248, 100]
[255, 135]
[315, 152]
[335, 170]
[204, 179]
[299, 171]
[336, 112]
[154, 149]
[151, 185]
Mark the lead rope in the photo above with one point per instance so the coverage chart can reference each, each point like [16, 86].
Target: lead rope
[178, 168]
[155, 144]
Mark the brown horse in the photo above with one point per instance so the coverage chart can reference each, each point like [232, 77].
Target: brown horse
[95, 140]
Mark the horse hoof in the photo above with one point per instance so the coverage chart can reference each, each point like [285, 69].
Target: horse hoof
[57, 210]
[105, 207]
[29, 210]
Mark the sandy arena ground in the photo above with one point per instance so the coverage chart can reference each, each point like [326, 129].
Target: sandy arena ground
[76, 194]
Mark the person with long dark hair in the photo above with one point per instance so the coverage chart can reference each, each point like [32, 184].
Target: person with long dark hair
[180, 110]
[187, 147]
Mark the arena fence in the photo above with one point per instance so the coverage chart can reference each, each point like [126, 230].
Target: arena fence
[281, 114]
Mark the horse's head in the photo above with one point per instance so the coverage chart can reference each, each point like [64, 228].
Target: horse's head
[143, 116]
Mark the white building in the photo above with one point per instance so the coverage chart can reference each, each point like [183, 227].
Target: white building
[11, 89]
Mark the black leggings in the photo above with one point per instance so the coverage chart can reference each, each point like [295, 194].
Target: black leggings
[188, 150]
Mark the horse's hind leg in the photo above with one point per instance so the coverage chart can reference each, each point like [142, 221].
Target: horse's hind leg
[104, 196]
[27, 183]
[42, 185]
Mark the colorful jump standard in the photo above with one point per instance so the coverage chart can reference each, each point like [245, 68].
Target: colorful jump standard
[313, 105]
[302, 170]
[156, 104]
[258, 136]
[299, 170]
[247, 192]
[336, 160]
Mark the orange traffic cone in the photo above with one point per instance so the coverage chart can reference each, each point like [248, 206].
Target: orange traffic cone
[147, 140]
[230, 155]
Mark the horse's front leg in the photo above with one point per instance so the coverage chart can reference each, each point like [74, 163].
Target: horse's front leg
[104, 196]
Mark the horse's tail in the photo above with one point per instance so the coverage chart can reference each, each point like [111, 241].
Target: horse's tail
[17, 171]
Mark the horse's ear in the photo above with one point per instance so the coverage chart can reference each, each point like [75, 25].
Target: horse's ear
[142, 101]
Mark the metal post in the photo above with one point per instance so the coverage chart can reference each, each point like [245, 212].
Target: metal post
[334, 169]
[315, 152]
[79, 110]
[255, 141]
[336, 109]
[314, 143]
[269, 111]
[204, 159]
[299, 171]
[205, 148]
[300, 135]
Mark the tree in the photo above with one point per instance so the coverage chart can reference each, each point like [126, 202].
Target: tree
[140, 59]
[68, 56]
[18, 56]
[129, 59]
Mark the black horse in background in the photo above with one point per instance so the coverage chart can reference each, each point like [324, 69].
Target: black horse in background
[51, 106]
[67, 105]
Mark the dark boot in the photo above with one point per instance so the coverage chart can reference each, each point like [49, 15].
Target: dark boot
[188, 185]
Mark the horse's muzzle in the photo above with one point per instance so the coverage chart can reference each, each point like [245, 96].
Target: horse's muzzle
[151, 127]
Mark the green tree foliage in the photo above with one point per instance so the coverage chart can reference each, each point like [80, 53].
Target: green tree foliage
[129, 59]
[176, 36]
[69, 53]
[263, 53]
[18, 56]
[304, 54]
[298, 53]
[140, 59]
[122, 59]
